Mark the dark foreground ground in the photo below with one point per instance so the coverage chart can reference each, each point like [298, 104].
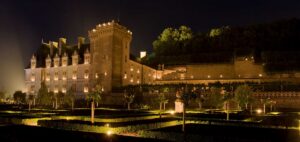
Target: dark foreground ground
[18, 133]
[219, 133]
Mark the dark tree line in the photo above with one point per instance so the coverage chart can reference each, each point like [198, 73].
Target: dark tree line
[276, 44]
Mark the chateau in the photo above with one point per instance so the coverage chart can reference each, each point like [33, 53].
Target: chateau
[107, 58]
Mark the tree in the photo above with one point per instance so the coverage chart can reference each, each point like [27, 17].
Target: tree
[43, 96]
[30, 101]
[215, 98]
[243, 95]
[94, 96]
[186, 96]
[265, 102]
[172, 40]
[19, 97]
[227, 97]
[2, 96]
[200, 100]
[70, 97]
[161, 100]
[129, 97]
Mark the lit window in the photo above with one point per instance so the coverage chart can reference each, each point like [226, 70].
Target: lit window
[47, 76]
[221, 76]
[63, 90]
[208, 76]
[32, 78]
[260, 75]
[125, 76]
[131, 80]
[131, 69]
[96, 75]
[105, 73]
[86, 74]
[74, 76]
[85, 89]
[192, 76]
[55, 89]
[56, 76]
[64, 77]
[138, 82]
[138, 71]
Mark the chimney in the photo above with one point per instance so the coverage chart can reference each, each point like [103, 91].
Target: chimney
[80, 41]
[61, 42]
[51, 48]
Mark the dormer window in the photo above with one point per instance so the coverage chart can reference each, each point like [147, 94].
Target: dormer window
[75, 58]
[64, 61]
[56, 60]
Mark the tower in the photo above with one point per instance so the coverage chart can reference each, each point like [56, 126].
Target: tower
[109, 45]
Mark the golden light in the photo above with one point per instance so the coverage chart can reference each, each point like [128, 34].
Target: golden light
[74, 77]
[109, 133]
[64, 90]
[258, 111]
[107, 125]
[85, 89]
[32, 78]
[172, 112]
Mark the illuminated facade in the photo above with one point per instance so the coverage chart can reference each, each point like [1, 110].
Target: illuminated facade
[107, 58]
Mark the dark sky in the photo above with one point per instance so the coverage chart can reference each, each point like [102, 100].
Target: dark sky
[25, 22]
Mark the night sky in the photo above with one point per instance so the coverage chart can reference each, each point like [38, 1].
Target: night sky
[25, 22]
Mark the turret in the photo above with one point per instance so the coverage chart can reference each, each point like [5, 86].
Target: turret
[33, 62]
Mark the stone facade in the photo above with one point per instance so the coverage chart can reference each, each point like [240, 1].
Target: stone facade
[107, 57]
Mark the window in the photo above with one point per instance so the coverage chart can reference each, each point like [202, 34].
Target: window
[64, 77]
[86, 88]
[86, 74]
[125, 75]
[74, 75]
[56, 76]
[47, 76]
[32, 78]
